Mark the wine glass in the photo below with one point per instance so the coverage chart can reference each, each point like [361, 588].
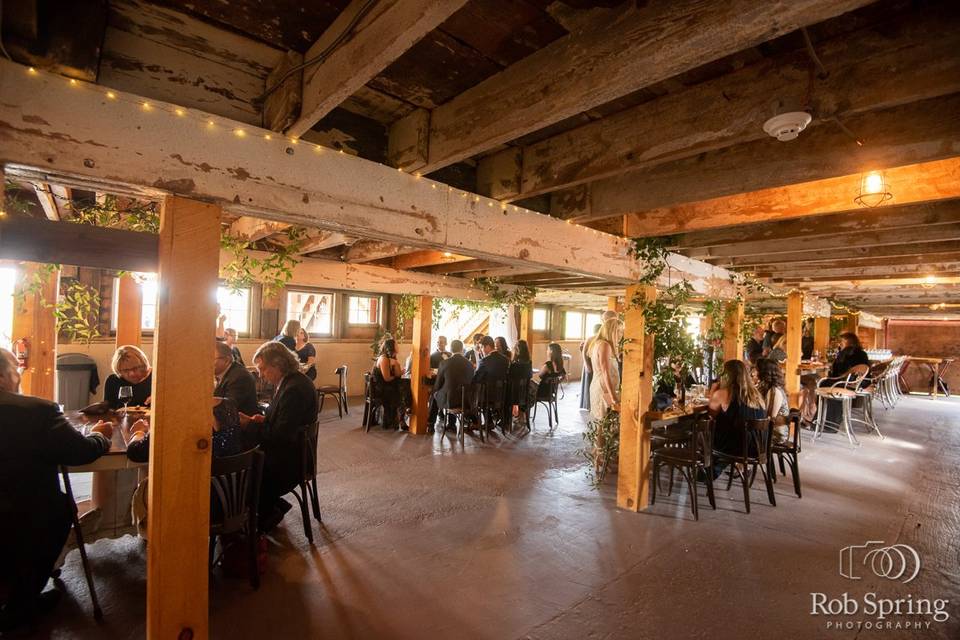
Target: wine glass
[125, 396]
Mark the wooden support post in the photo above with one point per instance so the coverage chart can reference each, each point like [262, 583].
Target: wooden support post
[179, 495]
[732, 335]
[33, 319]
[794, 339]
[821, 336]
[852, 323]
[129, 306]
[420, 365]
[613, 304]
[526, 326]
[633, 475]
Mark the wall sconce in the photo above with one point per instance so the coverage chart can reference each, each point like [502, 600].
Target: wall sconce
[874, 190]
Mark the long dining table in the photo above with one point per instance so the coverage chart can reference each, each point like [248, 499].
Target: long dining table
[115, 459]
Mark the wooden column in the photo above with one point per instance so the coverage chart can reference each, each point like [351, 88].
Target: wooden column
[633, 475]
[526, 326]
[420, 364]
[129, 306]
[852, 323]
[179, 497]
[821, 335]
[33, 319]
[613, 303]
[794, 339]
[732, 335]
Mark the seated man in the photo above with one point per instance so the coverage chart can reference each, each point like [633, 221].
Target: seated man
[233, 380]
[454, 372]
[440, 354]
[492, 368]
[293, 409]
[35, 515]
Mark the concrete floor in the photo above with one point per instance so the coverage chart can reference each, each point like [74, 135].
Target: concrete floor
[428, 539]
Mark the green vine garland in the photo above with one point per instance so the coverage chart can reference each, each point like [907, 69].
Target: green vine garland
[603, 438]
[272, 272]
[652, 253]
[666, 318]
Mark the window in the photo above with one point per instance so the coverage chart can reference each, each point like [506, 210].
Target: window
[363, 310]
[539, 319]
[592, 320]
[8, 280]
[313, 310]
[573, 326]
[234, 305]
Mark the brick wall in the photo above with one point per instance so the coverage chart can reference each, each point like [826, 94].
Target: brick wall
[926, 338]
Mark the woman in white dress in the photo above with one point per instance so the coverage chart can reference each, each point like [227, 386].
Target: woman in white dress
[605, 387]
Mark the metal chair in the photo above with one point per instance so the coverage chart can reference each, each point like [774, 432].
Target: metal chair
[235, 494]
[842, 391]
[338, 391]
[307, 495]
[547, 395]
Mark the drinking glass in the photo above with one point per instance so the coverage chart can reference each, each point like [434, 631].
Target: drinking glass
[126, 395]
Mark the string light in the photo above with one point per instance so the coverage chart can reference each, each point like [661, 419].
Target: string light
[239, 133]
[32, 71]
[180, 112]
[111, 95]
[146, 106]
[267, 136]
[73, 82]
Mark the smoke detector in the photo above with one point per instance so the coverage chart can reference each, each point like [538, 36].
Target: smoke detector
[787, 126]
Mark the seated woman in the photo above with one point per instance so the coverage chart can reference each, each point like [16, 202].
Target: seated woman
[519, 373]
[850, 355]
[554, 364]
[733, 400]
[307, 354]
[770, 384]
[500, 343]
[288, 335]
[386, 375]
[130, 369]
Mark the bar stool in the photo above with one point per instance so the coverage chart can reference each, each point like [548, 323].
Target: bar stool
[845, 397]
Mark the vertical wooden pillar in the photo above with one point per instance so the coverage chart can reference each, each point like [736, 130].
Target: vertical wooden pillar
[821, 335]
[129, 306]
[794, 341]
[33, 319]
[526, 326]
[613, 303]
[633, 475]
[732, 335]
[852, 323]
[420, 365]
[179, 496]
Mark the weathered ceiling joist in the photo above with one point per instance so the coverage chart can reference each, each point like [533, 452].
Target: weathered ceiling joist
[78, 134]
[619, 53]
[254, 228]
[880, 67]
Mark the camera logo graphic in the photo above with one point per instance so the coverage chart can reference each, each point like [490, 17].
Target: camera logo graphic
[893, 562]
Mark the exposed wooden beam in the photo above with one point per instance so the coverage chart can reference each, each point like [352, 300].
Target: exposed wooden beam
[918, 132]
[255, 228]
[370, 250]
[47, 201]
[620, 53]
[892, 252]
[855, 263]
[892, 271]
[465, 266]
[900, 61]
[383, 32]
[419, 259]
[322, 240]
[929, 181]
[79, 135]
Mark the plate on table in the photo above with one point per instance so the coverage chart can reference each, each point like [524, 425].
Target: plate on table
[137, 410]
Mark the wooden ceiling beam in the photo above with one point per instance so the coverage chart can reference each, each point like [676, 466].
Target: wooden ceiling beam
[254, 229]
[904, 251]
[882, 66]
[323, 240]
[879, 271]
[370, 250]
[47, 200]
[381, 34]
[461, 267]
[619, 53]
[855, 263]
[419, 259]
[917, 132]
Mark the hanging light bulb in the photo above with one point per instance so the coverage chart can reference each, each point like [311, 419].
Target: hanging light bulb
[874, 190]
[929, 282]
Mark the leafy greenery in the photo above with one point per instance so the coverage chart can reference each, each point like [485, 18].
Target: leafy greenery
[520, 296]
[498, 299]
[652, 252]
[752, 317]
[273, 272]
[406, 309]
[11, 203]
[603, 438]
[674, 350]
[77, 312]
[137, 216]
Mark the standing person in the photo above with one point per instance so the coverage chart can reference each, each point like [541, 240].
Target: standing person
[778, 328]
[35, 515]
[440, 354]
[475, 355]
[306, 353]
[234, 381]
[605, 388]
[501, 345]
[754, 346]
[292, 409]
[453, 374]
[288, 335]
[806, 342]
[130, 369]
[586, 376]
[230, 337]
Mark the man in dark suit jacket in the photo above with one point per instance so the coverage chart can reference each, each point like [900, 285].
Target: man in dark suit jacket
[35, 516]
[455, 372]
[234, 381]
[292, 410]
[493, 365]
[440, 354]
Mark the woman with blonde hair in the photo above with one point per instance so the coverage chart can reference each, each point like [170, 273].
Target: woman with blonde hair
[288, 335]
[605, 387]
[734, 399]
[130, 369]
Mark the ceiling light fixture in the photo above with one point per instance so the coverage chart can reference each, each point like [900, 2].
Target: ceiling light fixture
[874, 190]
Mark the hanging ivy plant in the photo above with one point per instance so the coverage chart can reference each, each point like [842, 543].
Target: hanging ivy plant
[499, 297]
[652, 253]
[137, 216]
[752, 318]
[406, 309]
[666, 318]
[77, 312]
[603, 440]
[273, 272]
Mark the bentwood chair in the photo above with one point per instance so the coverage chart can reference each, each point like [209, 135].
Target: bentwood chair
[372, 401]
[78, 533]
[307, 496]
[491, 405]
[687, 448]
[338, 391]
[789, 450]
[754, 452]
[520, 395]
[235, 494]
[547, 396]
[461, 413]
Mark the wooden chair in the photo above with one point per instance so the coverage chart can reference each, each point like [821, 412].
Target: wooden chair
[307, 496]
[789, 449]
[460, 414]
[754, 452]
[78, 533]
[235, 494]
[547, 396]
[371, 401]
[688, 450]
[338, 391]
